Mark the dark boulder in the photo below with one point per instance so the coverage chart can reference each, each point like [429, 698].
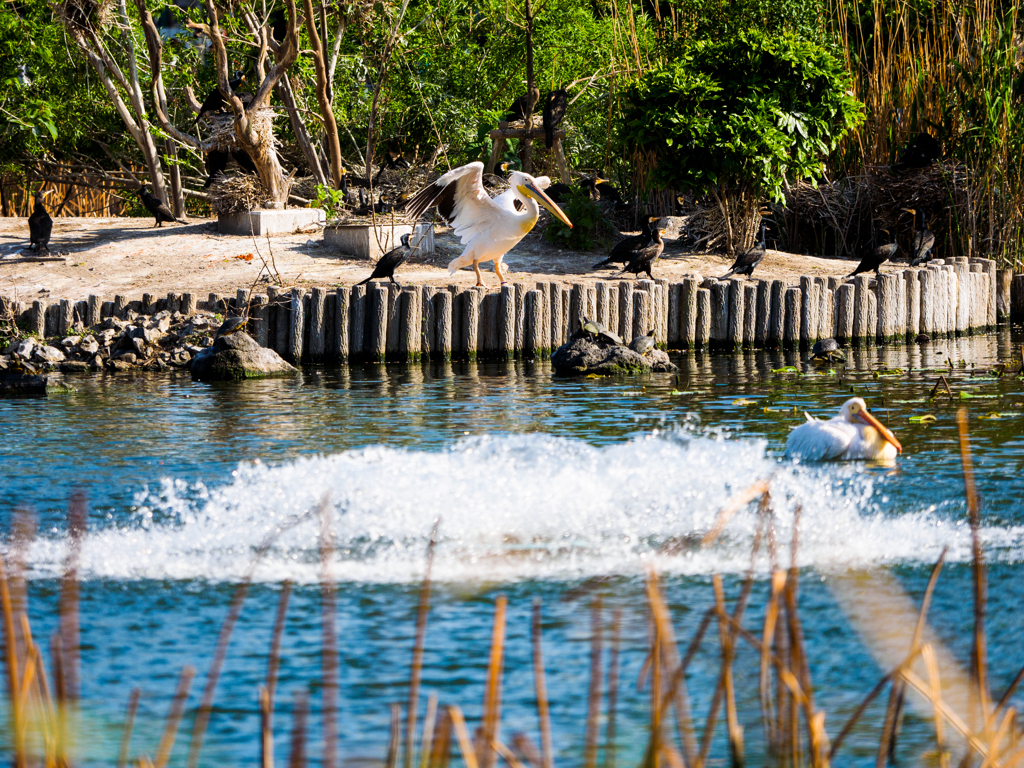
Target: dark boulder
[585, 354]
[236, 357]
[17, 384]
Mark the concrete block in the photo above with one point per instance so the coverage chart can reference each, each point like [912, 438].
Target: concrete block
[270, 222]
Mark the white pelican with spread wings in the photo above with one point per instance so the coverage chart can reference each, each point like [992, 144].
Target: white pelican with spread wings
[488, 227]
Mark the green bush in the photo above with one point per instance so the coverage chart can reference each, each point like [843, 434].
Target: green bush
[734, 117]
[590, 227]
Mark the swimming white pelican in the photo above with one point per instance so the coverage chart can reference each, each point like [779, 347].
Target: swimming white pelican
[489, 228]
[853, 434]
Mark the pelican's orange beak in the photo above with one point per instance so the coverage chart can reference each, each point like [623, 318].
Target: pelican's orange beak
[883, 430]
[532, 190]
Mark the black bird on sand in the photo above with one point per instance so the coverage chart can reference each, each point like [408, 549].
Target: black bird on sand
[214, 100]
[923, 242]
[40, 225]
[525, 103]
[747, 261]
[554, 112]
[389, 262]
[157, 207]
[643, 259]
[622, 252]
[877, 257]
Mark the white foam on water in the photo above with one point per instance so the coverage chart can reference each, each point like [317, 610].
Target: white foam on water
[514, 507]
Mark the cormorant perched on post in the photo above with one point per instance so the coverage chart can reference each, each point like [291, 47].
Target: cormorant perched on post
[525, 103]
[554, 112]
[623, 250]
[747, 261]
[214, 100]
[157, 207]
[877, 257]
[389, 262]
[923, 242]
[40, 225]
[644, 258]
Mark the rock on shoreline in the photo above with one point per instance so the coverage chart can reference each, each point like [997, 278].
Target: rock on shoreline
[236, 357]
[585, 354]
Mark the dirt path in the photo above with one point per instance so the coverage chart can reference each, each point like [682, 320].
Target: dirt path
[129, 256]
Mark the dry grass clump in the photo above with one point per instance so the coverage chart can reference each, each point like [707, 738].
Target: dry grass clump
[42, 704]
[237, 194]
[222, 128]
[86, 16]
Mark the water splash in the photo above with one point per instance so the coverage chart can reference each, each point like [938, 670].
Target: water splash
[512, 507]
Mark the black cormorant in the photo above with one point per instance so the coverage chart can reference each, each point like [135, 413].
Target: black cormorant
[747, 261]
[643, 258]
[389, 262]
[214, 100]
[554, 112]
[217, 160]
[920, 152]
[623, 250]
[923, 242]
[877, 257]
[157, 207]
[40, 225]
[525, 103]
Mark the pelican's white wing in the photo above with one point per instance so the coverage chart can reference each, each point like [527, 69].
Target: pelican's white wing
[820, 440]
[461, 201]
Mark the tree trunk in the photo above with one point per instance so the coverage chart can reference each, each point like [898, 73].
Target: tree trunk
[177, 201]
[287, 96]
[323, 97]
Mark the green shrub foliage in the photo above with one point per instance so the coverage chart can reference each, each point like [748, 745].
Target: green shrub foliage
[744, 112]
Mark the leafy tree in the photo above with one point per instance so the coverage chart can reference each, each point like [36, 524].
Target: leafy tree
[735, 118]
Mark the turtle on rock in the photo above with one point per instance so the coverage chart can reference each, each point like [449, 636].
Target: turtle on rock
[827, 350]
[594, 328]
[643, 344]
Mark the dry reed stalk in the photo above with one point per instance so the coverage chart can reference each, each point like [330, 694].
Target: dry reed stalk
[13, 676]
[934, 683]
[442, 741]
[394, 736]
[507, 755]
[593, 726]
[23, 530]
[979, 651]
[735, 730]
[771, 616]
[458, 723]
[613, 688]
[266, 728]
[540, 687]
[732, 506]
[128, 727]
[69, 596]
[163, 751]
[975, 742]
[429, 723]
[1000, 734]
[492, 693]
[422, 611]
[220, 653]
[329, 649]
[274, 659]
[297, 753]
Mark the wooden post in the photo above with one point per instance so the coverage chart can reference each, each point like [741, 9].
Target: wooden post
[488, 333]
[861, 308]
[394, 328]
[95, 308]
[702, 337]
[357, 312]
[926, 281]
[443, 304]
[555, 315]
[342, 307]
[825, 309]
[951, 299]
[675, 295]
[458, 308]
[410, 323]
[428, 322]
[1017, 299]
[901, 306]
[330, 328]
[590, 301]
[626, 292]
[66, 317]
[642, 313]
[664, 289]
[602, 304]
[173, 302]
[188, 304]
[989, 268]
[506, 323]
[471, 322]
[520, 319]
[1004, 279]
[107, 310]
[762, 313]
[37, 319]
[962, 267]
[241, 300]
[736, 314]
[613, 307]
[845, 300]
[749, 314]
[577, 307]
[283, 323]
[296, 326]
[888, 288]
[872, 317]
[306, 313]
[545, 313]
[52, 320]
[120, 305]
[533, 326]
[688, 313]
[148, 304]
[258, 320]
[776, 314]
[913, 291]
[317, 311]
[720, 313]
[791, 332]
[377, 324]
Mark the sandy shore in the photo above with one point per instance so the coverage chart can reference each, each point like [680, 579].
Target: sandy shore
[129, 256]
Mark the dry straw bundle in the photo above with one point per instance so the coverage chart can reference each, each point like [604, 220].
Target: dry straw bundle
[87, 16]
[237, 194]
[223, 134]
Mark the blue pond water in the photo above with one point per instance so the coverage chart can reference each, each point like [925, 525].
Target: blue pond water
[550, 488]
